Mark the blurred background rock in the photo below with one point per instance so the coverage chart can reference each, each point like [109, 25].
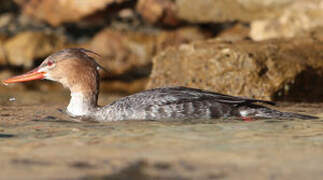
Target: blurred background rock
[270, 49]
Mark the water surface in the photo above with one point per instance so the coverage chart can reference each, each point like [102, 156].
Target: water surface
[37, 141]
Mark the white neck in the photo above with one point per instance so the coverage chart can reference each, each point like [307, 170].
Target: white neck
[79, 105]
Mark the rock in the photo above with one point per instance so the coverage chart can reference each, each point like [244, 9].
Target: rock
[5, 19]
[234, 10]
[269, 70]
[158, 11]
[129, 51]
[7, 5]
[122, 51]
[180, 36]
[300, 18]
[237, 32]
[316, 33]
[287, 13]
[3, 58]
[24, 48]
[13, 23]
[61, 11]
[123, 87]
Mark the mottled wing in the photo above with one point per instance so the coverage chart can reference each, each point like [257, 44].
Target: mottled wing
[178, 95]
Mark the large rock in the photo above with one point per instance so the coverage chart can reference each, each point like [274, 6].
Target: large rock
[122, 51]
[232, 10]
[24, 48]
[60, 11]
[292, 69]
[128, 51]
[296, 20]
[268, 18]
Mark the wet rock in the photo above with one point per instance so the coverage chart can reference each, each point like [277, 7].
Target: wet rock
[158, 11]
[296, 20]
[275, 69]
[24, 48]
[58, 12]
[132, 51]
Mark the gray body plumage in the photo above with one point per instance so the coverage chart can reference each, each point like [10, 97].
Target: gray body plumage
[185, 103]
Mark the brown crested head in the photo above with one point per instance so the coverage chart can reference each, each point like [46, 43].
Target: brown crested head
[72, 67]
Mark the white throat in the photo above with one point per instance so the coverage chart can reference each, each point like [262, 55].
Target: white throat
[78, 105]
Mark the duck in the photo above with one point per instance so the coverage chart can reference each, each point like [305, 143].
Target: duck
[77, 70]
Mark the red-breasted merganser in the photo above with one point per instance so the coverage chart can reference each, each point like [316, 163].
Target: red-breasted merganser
[78, 71]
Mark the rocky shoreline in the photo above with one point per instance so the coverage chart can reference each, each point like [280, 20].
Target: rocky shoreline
[128, 34]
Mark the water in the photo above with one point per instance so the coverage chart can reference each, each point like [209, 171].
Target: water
[39, 142]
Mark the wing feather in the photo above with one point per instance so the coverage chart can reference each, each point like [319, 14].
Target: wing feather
[171, 95]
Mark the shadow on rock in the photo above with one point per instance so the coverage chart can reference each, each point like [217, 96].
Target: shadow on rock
[307, 81]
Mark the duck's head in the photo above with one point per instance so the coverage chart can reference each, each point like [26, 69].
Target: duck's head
[72, 67]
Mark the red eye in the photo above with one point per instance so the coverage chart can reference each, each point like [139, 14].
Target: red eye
[49, 63]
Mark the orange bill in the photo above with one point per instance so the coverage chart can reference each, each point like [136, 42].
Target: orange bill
[29, 76]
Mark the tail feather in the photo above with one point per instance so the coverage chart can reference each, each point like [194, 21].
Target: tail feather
[289, 115]
[264, 112]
